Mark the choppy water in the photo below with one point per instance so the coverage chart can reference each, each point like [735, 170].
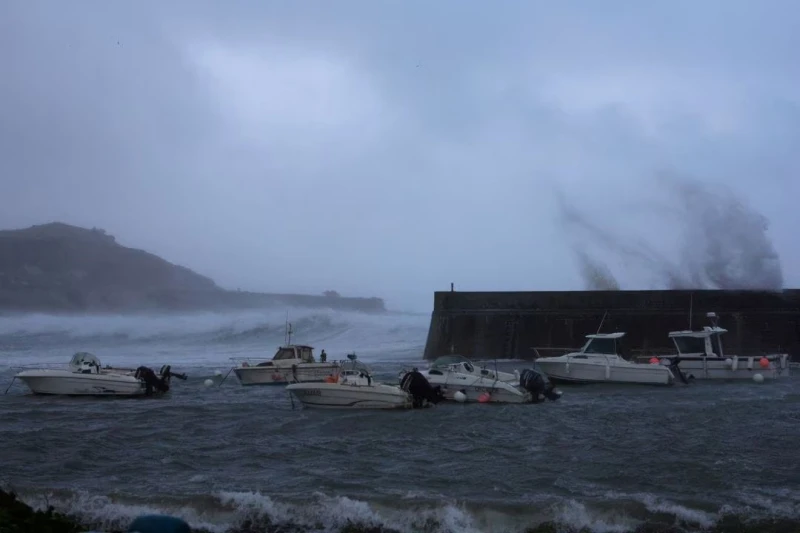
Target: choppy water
[603, 457]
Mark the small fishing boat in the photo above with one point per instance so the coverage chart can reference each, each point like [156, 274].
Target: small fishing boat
[292, 363]
[84, 376]
[463, 381]
[700, 356]
[353, 386]
[600, 360]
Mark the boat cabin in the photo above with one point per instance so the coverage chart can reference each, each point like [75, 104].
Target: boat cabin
[352, 369]
[85, 363]
[295, 351]
[457, 363]
[292, 352]
[603, 344]
[707, 342]
[447, 361]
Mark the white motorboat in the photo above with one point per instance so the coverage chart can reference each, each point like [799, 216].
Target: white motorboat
[600, 360]
[85, 377]
[354, 387]
[292, 363]
[700, 356]
[460, 380]
[465, 366]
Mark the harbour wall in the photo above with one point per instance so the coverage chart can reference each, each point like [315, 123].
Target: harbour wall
[525, 325]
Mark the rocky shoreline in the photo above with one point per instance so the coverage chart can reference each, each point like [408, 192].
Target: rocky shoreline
[18, 517]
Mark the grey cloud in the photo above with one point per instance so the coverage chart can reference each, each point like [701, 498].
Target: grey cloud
[482, 114]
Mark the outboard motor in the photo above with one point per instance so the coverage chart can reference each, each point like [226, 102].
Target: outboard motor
[151, 381]
[167, 373]
[420, 389]
[676, 370]
[538, 385]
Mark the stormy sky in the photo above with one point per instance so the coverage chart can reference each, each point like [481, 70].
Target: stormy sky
[388, 148]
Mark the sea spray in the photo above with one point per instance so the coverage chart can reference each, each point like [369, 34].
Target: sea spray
[198, 338]
[723, 243]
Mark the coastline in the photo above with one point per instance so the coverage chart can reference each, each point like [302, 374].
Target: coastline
[55, 267]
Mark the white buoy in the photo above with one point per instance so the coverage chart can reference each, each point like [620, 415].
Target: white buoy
[758, 378]
[729, 362]
[460, 396]
[209, 382]
[217, 373]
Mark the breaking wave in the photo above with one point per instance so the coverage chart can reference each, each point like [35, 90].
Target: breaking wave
[254, 512]
[225, 333]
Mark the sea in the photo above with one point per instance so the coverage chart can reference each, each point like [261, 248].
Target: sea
[231, 458]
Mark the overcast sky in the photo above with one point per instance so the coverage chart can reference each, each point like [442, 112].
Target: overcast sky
[388, 148]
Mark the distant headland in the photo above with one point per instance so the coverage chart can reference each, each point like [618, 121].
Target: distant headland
[57, 267]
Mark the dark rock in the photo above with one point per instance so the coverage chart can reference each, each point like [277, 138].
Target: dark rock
[17, 517]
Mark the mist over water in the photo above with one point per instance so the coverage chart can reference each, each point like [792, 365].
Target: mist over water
[722, 243]
[208, 338]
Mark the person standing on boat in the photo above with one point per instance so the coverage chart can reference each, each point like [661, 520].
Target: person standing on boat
[323, 356]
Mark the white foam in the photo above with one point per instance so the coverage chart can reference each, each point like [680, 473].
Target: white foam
[336, 512]
[691, 516]
[109, 515]
[207, 338]
[575, 513]
[577, 516]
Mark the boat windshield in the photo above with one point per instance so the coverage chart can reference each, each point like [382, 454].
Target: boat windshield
[80, 358]
[690, 344]
[605, 346]
[447, 360]
[353, 367]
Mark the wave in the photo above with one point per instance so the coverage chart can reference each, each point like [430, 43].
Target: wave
[255, 512]
[230, 332]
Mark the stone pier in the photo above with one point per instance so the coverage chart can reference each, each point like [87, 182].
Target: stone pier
[511, 325]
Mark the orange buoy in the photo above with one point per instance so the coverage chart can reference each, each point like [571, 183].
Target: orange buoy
[330, 379]
[654, 360]
[484, 397]
[763, 362]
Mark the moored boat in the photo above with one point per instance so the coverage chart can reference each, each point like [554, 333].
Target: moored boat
[292, 363]
[353, 386]
[462, 381]
[84, 376]
[700, 355]
[601, 360]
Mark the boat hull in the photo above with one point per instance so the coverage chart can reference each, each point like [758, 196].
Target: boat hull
[496, 395]
[336, 396]
[474, 387]
[64, 383]
[578, 372]
[275, 375]
[732, 368]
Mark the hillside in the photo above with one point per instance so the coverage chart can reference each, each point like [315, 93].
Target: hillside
[58, 267]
